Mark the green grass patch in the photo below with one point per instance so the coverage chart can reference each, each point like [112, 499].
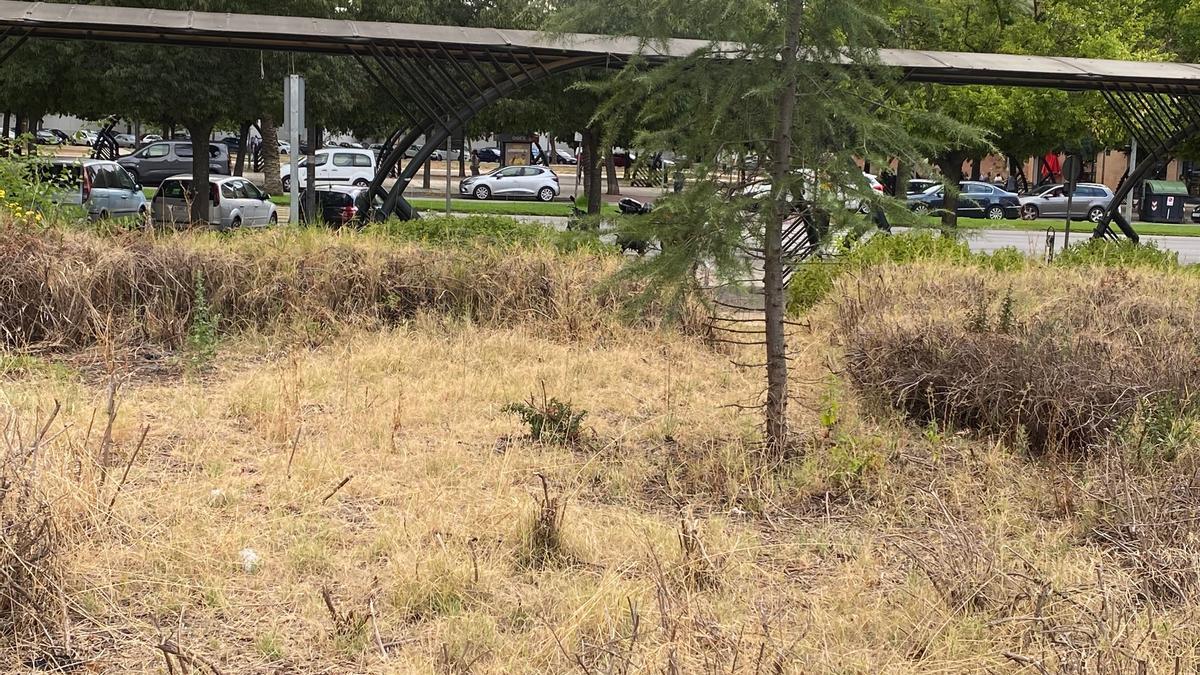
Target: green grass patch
[483, 229]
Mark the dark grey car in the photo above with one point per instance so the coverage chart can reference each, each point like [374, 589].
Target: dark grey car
[1090, 201]
[158, 161]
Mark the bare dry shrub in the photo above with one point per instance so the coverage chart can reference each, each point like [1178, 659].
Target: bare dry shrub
[71, 289]
[1063, 377]
[544, 546]
[31, 541]
[1150, 522]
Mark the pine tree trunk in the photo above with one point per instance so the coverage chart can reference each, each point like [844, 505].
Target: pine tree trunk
[427, 174]
[270, 150]
[610, 166]
[774, 304]
[200, 190]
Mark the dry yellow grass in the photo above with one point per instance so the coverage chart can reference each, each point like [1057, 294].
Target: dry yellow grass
[885, 549]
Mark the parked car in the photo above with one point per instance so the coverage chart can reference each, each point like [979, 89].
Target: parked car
[341, 204]
[335, 166]
[231, 142]
[436, 155]
[125, 140]
[85, 137]
[563, 157]
[1090, 201]
[103, 188]
[158, 161]
[975, 200]
[52, 137]
[918, 185]
[151, 138]
[513, 181]
[623, 159]
[233, 202]
[488, 154]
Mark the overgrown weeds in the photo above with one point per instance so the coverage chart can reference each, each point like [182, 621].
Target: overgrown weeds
[1064, 377]
[72, 289]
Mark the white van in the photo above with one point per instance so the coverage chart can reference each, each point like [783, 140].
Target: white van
[335, 166]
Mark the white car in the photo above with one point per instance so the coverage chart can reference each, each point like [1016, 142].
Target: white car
[335, 166]
[233, 202]
[513, 181]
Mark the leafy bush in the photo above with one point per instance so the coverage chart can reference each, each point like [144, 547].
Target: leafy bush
[549, 420]
[27, 196]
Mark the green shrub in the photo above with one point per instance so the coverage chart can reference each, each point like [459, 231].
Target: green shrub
[550, 420]
[202, 332]
[813, 280]
[1104, 253]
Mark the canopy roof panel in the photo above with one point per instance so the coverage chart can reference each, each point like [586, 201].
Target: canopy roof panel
[207, 29]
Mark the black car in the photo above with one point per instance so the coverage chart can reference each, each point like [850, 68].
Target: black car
[341, 205]
[488, 155]
[975, 200]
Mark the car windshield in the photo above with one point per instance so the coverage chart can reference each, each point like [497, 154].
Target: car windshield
[932, 189]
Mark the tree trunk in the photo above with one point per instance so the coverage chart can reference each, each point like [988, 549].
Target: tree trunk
[610, 166]
[591, 170]
[309, 210]
[270, 150]
[976, 165]
[903, 175]
[462, 159]
[427, 173]
[951, 166]
[774, 305]
[200, 189]
[239, 169]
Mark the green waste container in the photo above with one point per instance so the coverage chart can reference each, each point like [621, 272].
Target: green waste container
[1162, 201]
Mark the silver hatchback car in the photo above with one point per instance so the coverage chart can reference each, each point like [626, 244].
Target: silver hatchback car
[233, 202]
[1090, 201]
[513, 181]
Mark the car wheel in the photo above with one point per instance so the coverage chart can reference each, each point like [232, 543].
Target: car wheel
[362, 182]
[1030, 212]
[237, 222]
[273, 220]
[1096, 214]
[921, 209]
[103, 215]
[546, 194]
[995, 212]
[482, 192]
[287, 183]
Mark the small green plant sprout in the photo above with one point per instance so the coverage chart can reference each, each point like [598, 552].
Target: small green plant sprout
[550, 420]
[201, 343]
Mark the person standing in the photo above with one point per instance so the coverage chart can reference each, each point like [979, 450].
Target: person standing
[474, 162]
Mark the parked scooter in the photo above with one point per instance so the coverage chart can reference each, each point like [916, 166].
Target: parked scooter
[632, 207]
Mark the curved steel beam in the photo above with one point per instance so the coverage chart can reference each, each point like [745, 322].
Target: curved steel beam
[438, 131]
[1152, 160]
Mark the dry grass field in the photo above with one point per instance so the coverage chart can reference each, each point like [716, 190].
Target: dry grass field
[350, 497]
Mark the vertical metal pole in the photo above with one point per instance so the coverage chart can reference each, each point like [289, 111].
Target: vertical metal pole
[294, 102]
[1133, 158]
[449, 146]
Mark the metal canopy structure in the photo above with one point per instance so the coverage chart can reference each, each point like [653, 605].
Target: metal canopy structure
[446, 74]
